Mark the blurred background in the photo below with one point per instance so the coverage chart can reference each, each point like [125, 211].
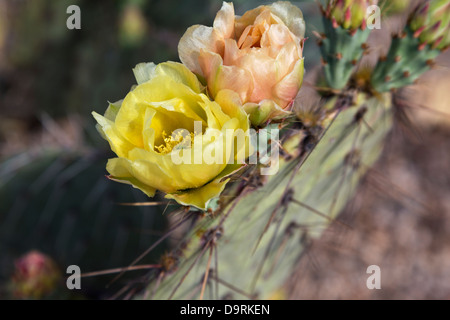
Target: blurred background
[55, 200]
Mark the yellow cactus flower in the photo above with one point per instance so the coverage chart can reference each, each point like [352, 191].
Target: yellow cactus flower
[171, 137]
[258, 56]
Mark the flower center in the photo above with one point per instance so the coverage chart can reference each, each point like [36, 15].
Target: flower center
[170, 141]
[251, 37]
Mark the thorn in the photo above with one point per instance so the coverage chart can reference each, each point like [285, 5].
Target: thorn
[438, 42]
[406, 74]
[387, 79]
[339, 56]
[348, 15]
[422, 46]
[418, 32]
[335, 24]
[324, 63]
[354, 62]
[431, 63]
[424, 9]
[397, 58]
[364, 25]
[383, 58]
[318, 35]
[436, 26]
[403, 35]
[364, 46]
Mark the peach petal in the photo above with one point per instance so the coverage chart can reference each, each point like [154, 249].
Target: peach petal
[224, 21]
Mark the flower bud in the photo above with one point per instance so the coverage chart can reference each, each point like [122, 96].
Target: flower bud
[35, 276]
[431, 23]
[348, 14]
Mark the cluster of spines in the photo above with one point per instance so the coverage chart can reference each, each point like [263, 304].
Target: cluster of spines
[412, 52]
[344, 41]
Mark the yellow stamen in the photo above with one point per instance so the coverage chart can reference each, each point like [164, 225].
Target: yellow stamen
[170, 142]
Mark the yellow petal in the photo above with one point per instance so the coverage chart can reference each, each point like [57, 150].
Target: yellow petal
[112, 110]
[121, 169]
[231, 104]
[144, 72]
[200, 197]
[147, 172]
[179, 73]
[216, 115]
[130, 118]
[119, 145]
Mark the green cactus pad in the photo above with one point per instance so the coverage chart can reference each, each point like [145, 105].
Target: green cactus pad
[341, 50]
[406, 61]
[259, 237]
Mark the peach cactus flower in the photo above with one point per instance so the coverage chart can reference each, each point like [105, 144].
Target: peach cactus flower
[258, 55]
